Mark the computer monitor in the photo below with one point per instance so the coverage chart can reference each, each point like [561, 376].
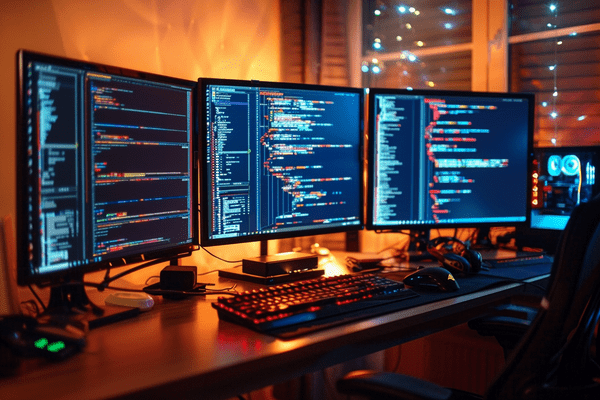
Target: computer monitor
[441, 159]
[280, 160]
[105, 168]
[562, 178]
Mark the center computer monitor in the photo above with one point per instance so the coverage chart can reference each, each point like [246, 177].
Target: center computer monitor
[280, 160]
[105, 168]
[448, 159]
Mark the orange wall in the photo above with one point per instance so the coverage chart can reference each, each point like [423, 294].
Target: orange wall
[181, 38]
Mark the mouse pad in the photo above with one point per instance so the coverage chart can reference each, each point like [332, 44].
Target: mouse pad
[468, 284]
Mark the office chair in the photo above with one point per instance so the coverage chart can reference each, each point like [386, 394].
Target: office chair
[553, 359]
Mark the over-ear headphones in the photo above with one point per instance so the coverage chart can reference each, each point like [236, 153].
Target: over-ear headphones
[454, 255]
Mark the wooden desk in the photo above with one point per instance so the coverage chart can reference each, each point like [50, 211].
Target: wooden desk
[180, 349]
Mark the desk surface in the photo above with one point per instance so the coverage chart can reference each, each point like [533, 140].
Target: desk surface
[181, 349]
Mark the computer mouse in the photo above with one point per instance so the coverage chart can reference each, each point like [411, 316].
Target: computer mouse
[436, 278]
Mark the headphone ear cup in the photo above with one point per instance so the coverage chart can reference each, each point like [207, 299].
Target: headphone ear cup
[456, 263]
[474, 259]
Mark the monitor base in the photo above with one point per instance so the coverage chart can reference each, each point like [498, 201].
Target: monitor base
[69, 302]
[273, 279]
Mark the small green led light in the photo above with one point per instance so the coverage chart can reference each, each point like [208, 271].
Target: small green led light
[55, 347]
[41, 343]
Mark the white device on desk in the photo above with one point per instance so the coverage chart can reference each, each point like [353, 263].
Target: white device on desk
[140, 300]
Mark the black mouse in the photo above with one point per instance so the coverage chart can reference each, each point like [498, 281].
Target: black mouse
[436, 278]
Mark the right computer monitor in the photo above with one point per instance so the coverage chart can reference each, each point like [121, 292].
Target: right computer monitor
[448, 159]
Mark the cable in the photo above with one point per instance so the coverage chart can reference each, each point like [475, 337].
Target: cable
[107, 279]
[37, 297]
[219, 258]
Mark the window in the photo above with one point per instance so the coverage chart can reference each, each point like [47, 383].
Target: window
[554, 52]
[548, 47]
[417, 44]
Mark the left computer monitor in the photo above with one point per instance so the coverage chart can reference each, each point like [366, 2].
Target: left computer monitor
[105, 167]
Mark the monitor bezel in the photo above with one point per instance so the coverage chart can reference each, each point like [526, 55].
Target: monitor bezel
[372, 92]
[27, 275]
[207, 241]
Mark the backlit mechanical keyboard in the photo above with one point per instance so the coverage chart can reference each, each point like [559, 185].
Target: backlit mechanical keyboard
[298, 303]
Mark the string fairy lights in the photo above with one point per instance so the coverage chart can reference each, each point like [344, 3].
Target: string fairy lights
[381, 49]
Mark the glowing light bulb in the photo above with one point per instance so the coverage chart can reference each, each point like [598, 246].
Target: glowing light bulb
[544, 104]
[581, 117]
[412, 10]
[555, 94]
[377, 46]
[377, 12]
[376, 69]
[552, 7]
[554, 114]
[364, 68]
[412, 58]
[449, 11]
[417, 12]
[559, 42]
[448, 25]
[402, 9]
[420, 43]
[552, 67]
[408, 26]
[399, 38]
[553, 140]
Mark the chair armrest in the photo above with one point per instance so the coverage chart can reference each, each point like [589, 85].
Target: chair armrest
[389, 385]
[505, 320]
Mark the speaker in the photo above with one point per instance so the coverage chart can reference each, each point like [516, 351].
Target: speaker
[461, 260]
[9, 295]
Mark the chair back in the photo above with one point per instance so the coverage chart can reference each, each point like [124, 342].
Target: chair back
[553, 358]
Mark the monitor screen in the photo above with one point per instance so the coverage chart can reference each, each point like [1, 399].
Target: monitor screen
[105, 171]
[280, 160]
[447, 159]
[562, 178]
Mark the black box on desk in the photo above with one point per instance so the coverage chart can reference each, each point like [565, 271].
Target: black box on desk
[279, 264]
[178, 277]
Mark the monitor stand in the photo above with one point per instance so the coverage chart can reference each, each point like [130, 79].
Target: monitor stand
[417, 247]
[69, 302]
[275, 269]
